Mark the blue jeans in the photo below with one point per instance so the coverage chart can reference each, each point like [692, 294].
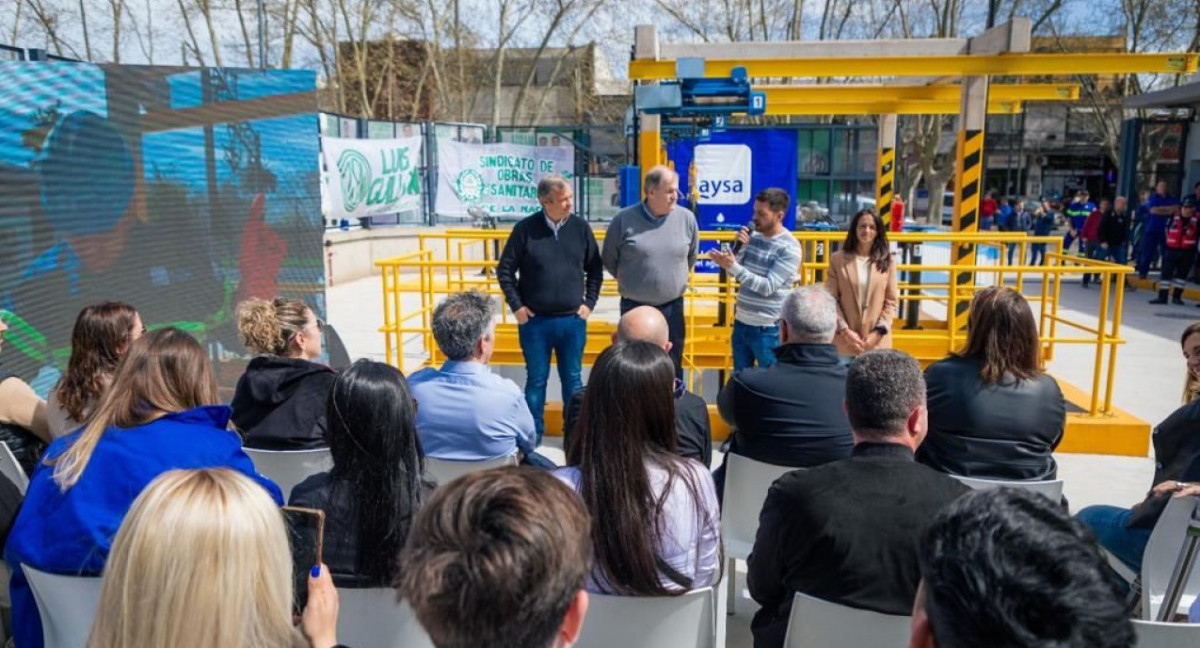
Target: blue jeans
[1152, 250]
[1037, 254]
[1108, 525]
[565, 335]
[753, 344]
[1117, 254]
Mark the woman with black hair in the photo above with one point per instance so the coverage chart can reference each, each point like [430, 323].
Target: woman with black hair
[656, 522]
[862, 278]
[377, 482]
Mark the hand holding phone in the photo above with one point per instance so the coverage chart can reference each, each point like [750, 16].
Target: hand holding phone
[306, 536]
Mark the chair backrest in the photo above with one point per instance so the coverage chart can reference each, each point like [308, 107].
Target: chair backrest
[10, 468]
[67, 605]
[373, 617]
[1162, 552]
[447, 470]
[820, 624]
[685, 621]
[1051, 488]
[290, 467]
[1155, 634]
[746, 484]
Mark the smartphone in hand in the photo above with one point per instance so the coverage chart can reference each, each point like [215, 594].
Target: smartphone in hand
[306, 537]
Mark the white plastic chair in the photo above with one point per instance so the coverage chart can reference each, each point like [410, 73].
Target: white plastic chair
[1051, 488]
[1156, 634]
[685, 621]
[11, 468]
[373, 617]
[67, 605]
[820, 624]
[746, 484]
[1162, 552]
[290, 467]
[447, 470]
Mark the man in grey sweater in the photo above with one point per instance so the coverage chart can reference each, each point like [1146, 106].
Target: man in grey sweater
[651, 249]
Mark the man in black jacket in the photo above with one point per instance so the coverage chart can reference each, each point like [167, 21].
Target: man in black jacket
[791, 413]
[848, 532]
[550, 272]
[1115, 226]
[692, 427]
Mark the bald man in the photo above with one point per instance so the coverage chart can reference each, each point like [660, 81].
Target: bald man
[647, 324]
[651, 249]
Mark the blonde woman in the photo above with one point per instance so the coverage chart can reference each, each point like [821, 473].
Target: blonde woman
[160, 413]
[279, 403]
[202, 561]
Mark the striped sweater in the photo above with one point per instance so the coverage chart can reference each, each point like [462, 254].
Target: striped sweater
[765, 268]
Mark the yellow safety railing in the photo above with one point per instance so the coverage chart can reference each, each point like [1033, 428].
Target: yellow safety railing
[457, 260]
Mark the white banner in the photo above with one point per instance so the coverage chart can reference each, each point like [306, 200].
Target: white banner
[501, 179]
[368, 177]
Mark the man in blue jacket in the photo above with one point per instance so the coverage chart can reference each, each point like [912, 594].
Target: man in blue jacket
[1161, 207]
[1077, 212]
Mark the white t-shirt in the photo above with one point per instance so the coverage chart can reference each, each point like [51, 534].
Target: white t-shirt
[863, 265]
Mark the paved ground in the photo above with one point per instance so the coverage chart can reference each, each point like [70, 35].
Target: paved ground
[1148, 384]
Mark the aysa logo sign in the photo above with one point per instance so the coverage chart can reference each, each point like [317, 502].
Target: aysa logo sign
[723, 174]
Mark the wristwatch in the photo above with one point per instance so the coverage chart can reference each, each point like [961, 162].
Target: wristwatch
[881, 329]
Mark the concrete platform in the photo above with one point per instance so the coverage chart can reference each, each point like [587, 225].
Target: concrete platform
[1148, 386]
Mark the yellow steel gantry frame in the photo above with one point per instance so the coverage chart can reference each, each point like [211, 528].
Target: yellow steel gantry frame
[876, 92]
[1024, 65]
[883, 106]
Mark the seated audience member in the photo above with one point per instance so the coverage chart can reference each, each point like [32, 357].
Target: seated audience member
[160, 413]
[692, 428]
[848, 531]
[1006, 567]
[792, 413]
[656, 524]
[23, 424]
[102, 334]
[1124, 532]
[993, 412]
[279, 403]
[467, 413]
[497, 559]
[376, 484]
[202, 560]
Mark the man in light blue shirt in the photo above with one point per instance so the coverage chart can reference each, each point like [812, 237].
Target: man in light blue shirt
[464, 411]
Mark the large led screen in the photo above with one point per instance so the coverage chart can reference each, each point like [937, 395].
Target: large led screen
[181, 191]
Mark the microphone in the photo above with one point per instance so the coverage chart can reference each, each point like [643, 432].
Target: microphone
[737, 244]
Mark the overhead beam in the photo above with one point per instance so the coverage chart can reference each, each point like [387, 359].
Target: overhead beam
[993, 65]
[886, 108]
[815, 49]
[790, 94]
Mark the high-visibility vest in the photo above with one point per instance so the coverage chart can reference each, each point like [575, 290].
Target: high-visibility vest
[1181, 236]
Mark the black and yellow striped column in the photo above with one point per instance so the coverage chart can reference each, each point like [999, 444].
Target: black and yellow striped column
[885, 180]
[967, 181]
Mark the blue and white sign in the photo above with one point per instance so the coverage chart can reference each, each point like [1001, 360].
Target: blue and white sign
[731, 168]
[723, 173]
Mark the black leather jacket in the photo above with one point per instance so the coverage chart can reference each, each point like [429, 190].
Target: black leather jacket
[1003, 431]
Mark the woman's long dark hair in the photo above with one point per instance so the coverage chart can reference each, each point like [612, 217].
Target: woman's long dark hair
[1003, 336]
[377, 459]
[627, 422]
[102, 333]
[881, 254]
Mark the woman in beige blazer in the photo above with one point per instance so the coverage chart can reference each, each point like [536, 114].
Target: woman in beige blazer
[862, 278]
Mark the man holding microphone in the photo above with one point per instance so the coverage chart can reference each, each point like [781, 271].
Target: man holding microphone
[550, 273]
[651, 248]
[764, 262]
